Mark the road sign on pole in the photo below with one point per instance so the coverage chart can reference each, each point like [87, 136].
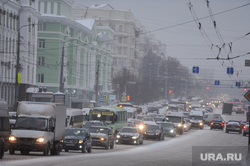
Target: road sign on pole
[247, 95]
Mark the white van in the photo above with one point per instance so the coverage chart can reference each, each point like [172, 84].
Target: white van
[74, 118]
[208, 117]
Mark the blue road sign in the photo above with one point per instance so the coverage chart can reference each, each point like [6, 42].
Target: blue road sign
[238, 84]
[196, 69]
[217, 82]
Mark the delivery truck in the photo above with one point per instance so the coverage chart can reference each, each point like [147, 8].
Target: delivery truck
[227, 108]
[39, 127]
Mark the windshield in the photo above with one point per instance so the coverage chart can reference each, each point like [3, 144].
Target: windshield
[152, 127]
[196, 117]
[31, 123]
[98, 130]
[74, 132]
[166, 125]
[174, 119]
[89, 124]
[129, 130]
[101, 115]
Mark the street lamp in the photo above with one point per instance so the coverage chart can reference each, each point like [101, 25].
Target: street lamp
[18, 63]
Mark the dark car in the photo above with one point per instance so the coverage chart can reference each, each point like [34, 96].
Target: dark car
[217, 124]
[169, 128]
[129, 135]
[233, 126]
[88, 124]
[102, 136]
[77, 139]
[246, 129]
[153, 132]
[1, 148]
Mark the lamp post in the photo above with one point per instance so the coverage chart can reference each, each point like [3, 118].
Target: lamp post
[18, 64]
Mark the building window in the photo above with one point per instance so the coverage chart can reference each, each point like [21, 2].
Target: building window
[42, 26]
[41, 43]
[112, 27]
[29, 22]
[120, 28]
[120, 40]
[40, 78]
[119, 51]
[41, 61]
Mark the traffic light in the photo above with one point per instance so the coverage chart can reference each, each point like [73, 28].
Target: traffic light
[169, 91]
[128, 98]
[245, 89]
[208, 88]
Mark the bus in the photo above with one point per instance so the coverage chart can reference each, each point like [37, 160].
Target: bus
[112, 116]
[75, 118]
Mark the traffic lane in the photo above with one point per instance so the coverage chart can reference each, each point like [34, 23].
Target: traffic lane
[176, 151]
[95, 149]
[234, 116]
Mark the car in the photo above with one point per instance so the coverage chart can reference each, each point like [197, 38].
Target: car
[246, 129]
[2, 145]
[217, 124]
[153, 131]
[186, 124]
[239, 110]
[159, 119]
[169, 128]
[233, 126]
[129, 135]
[102, 136]
[88, 124]
[77, 139]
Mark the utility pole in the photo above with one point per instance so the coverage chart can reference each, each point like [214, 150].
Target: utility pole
[61, 88]
[97, 82]
[17, 69]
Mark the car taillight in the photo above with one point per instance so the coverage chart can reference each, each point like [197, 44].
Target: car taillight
[245, 127]
[227, 125]
[212, 124]
[239, 125]
[222, 124]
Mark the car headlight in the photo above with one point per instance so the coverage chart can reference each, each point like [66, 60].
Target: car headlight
[134, 137]
[201, 124]
[102, 139]
[171, 131]
[12, 139]
[61, 140]
[118, 136]
[185, 126]
[40, 140]
[179, 125]
[80, 141]
[157, 133]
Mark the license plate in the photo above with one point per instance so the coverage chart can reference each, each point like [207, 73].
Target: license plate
[70, 144]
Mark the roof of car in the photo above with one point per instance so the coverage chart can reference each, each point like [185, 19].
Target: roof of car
[100, 127]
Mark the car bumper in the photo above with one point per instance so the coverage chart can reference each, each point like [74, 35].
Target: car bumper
[126, 140]
[148, 136]
[71, 146]
[27, 146]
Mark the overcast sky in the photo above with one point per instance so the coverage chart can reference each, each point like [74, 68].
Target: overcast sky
[172, 22]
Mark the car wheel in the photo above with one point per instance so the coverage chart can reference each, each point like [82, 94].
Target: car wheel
[90, 149]
[211, 128]
[107, 146]
[112, 145]
[137, 141]
[141, 141]
[46, 150]
[84, 149]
